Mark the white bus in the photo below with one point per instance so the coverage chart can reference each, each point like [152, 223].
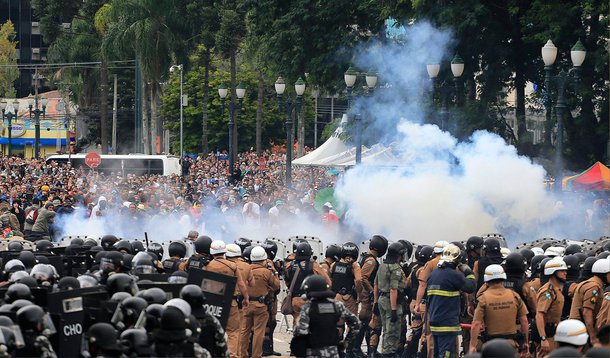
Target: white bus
[138, 164]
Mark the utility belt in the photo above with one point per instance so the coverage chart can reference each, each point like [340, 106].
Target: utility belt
[399, 299]
[515, 336]
[347, 291]
[261, 299]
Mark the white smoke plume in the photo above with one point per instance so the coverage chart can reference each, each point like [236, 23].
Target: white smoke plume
[441, 189]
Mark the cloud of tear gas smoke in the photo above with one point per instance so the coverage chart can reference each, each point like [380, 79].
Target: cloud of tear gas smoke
[443, 189]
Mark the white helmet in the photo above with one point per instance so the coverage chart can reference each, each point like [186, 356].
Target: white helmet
[601, 266]
[537, 251]
[439, 246]
[218, 247]
[560, 250]
[233, 250]
[551, 252]
[180, 304]
[553, 265]
[258, 254]
[505, 252]
[571, 331]
[494, 272]
[450, 253]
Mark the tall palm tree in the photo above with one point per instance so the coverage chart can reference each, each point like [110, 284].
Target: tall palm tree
[152, 29]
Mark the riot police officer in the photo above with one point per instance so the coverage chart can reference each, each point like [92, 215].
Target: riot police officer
[549, 304]
[177, 252]
[491, 255]
[101, 340]
[31, 321]
[422, 255]
[369, 264]
[271, 249]
[266, 282]
[498, 310]
[315, 334]
[297, 271]
[331, 255]
[201, 257]
[223, 266]
[474, 244]
[346, 280]
[390, 283]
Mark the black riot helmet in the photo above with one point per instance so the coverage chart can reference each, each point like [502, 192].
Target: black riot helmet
[154, 295]
[527, 255]
[132, 307]
[202, 245]
[491, 246]
[28, 259]
[295, 243]
[581, 256]
[474, 243]
[573, 264]
[138, 246]
[15, 246]
[121, 282]
[156, 249]
[16, 292]
[497, 348]
[303, 251]
[270, 248]
[143, 265]
[425, 253]
[104, 336]
[396, 251]
[77, 241]
[349, 249]
[333, 251]
[124, 246]
[316, 287]
[177, 248]
[193, 295]
[245, 254]
[111, 261]
[44, 245]
[408, 248]
[108, 241]
[587, 266]
[379, 243]
[535, 264]
[136, 342]
[515, 264]
[68, 283]
[30, 318]
[243, 242]
[573, 249]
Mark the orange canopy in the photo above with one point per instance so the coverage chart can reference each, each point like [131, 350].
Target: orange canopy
[597, 177]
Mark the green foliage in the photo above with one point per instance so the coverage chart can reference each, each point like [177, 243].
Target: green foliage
[8, 56]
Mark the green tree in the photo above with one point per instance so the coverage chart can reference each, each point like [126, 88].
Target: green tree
[8, 57]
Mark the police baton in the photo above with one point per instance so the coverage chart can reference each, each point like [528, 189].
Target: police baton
[146, 237]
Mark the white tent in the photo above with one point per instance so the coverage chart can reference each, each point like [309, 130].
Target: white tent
[333, 146]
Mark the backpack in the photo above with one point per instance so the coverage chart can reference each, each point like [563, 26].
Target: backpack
[31, 216]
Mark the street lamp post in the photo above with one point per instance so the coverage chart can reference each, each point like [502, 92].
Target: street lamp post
[350, 77]
[9, 111]
[445, 90]
[289, 105]
[34, 110]
[172, 69]
[561, 81]
[240, 91]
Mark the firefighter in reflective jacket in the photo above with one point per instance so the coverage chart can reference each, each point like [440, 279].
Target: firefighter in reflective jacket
[315, 333]
[297, 271]
[223, 266]
[347, 280]
[444, 289]
[255, 316]
[177, 251]
[371, 324]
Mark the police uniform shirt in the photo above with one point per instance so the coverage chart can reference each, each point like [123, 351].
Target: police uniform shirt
[390, 276]
[549, 302]
[603, 316]
[498, 310]
[368, 268]
[588, 295]
[245, 272]
[265, 283]
[428, 268]
[529, 294]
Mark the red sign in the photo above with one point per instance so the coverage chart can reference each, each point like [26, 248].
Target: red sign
[93, 160]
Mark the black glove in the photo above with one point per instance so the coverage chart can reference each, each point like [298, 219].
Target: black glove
[394, 316]
[466, 270]
[375, 309]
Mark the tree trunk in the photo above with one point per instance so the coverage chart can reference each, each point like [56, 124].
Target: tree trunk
[145, 118]
[204, 110]
[520, 107]
[234, 100]
[104, 107]
[301, 130]
[259, 112]
[155, 124]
